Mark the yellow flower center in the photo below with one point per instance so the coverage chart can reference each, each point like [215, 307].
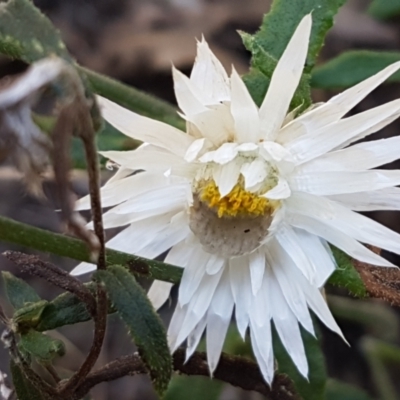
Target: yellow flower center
[239, 202]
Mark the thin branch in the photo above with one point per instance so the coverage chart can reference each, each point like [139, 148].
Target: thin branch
[237, 371]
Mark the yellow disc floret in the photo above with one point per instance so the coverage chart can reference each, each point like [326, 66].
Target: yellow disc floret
[239, 202]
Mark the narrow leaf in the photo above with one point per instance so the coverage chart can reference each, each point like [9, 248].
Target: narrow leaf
[24, 389]
[346, 275]
[352, 67]
[41, 347]
[18, 292]
[314, 388]
[143, 323]
[384, 9]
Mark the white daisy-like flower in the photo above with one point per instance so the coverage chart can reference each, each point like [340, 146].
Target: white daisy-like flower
[248, 199]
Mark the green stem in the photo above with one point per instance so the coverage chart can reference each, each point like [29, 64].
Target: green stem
[61, 245]
[133, 99]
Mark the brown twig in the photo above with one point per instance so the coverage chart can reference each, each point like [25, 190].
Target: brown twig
[237, 371]
[53, 274]
[380, 283]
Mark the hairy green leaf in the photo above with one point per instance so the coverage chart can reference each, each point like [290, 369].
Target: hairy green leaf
[26, 34]
[29, 316]
[384, 9]
[352, 67]
[41, 347]
[268, 44]
[144, 325]
[18, 292]
[336, 390]
[314, 388]
[346, 275]
[24, 389]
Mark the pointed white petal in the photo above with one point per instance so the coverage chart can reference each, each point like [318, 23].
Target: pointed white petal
[121, 173]
[285, 80]
[339, 239]
[175, 326]
[318, 142]
[244, 111]
[209, 75]
[335, 108]
[145, 129]
[194, 337]
[359, 157]
[253, 173]
[189, 97]
[280, 191]
[218, 318]
[194, 150]
[214, 264]
[226, 176]
[288, 240]
[287, 327]
[239, 274]
[159, 292]
[383, 199]
[331, 182]
[257, 268]
[83, 268]
[281, 273]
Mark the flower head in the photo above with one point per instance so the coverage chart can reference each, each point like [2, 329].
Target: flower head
[248, 199]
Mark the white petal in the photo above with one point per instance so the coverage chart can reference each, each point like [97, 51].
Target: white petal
[384, 199]
[145, 129]
[257, 268]
[150, 161]
[318, 142]
[225, 153]
[194, 337]
[273, 151]
[209, 75]
[244, 111]
[175, 326]
[121, 173]
[359, 157]
[254, 172]
[195, 268]
[331, 182]
[339, 239]
[288, 240]
[239, 275]
[218, 319]
[335, 108]
[214, 264]
[194, 149]
[172, 196]
[189, 97]
[280, 191]
[281, 273]
[287, 327]
[226, 176]
[285, 80]
[319, 254]
[159, 292]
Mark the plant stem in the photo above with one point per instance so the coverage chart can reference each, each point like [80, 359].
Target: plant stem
[61, 245]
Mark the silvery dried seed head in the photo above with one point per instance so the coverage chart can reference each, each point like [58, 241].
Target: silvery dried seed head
[248, 199]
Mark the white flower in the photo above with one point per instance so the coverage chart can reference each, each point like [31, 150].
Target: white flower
[249, 198]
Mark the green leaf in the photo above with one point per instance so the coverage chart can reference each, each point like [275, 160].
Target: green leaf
[336, 390]
[314, 389]
[352, 67]
[193, 388]
[346, 275]
[18, 292]
[268, 44]
[40, 346]
[26, 34]
[24, 389]
[29, 316]
[144, 325]
[384, 9]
